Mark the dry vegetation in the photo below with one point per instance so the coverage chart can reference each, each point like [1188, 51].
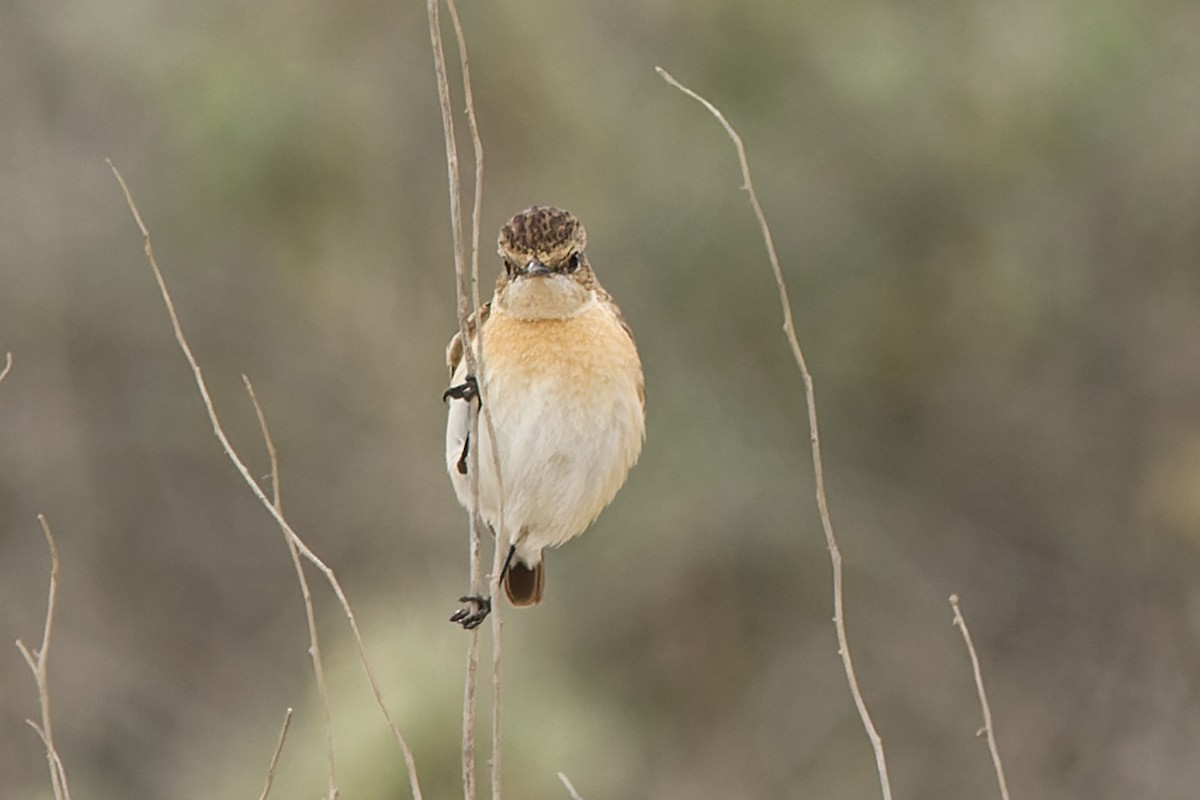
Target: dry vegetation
[1069, 522]
[467, 281]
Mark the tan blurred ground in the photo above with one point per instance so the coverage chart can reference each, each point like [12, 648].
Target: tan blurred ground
[989, 213]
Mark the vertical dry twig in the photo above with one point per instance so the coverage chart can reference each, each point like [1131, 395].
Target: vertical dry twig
[477, 147]
[7, 366]
[465, 311]
[498, 552]
[570, 787]
[983, 701]
[314, 642]
[284, 525]
[789, 330]
[287, 720]
[468, 305]
[37, 665]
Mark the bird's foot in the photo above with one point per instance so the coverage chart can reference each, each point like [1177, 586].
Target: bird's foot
[473, 613]
[467, 390]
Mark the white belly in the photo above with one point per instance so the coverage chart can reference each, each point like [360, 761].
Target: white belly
[569, 429]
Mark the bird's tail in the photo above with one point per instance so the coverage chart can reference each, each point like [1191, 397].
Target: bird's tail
[524, 584]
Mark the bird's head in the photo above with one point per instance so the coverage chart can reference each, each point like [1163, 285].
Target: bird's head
[546, 274]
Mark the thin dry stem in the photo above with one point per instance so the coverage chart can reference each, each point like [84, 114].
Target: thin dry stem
[499, 550]
[464, 294]
[468, 303]
[497, 637]
[58, 765]
[477, 147]
[570, 787]
[789, 330]
[314, 642]
[287, 720]
[303, 548]
[269, 443]
[983, 701]
[37, 665]
[7, 366]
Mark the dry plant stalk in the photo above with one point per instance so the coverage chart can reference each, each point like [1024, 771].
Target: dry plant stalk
[287, 720]
[835, 554]
[467, 291]
[314, 642]
[477, 147]
[497, 550]
[983, 701]
[37, 665]
[570, 787]
[465, 294]
[266, 502]
[7, 366]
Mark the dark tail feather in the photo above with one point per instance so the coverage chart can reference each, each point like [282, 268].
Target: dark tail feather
[524, 584]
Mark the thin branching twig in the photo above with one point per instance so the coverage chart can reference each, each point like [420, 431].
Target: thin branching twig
[789, 330]
[266, 502]
[570, 787]
[983, 701]
[37, 665]
[287, 720]
[314, 641]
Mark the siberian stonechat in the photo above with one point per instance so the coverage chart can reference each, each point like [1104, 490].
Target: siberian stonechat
[566, 397]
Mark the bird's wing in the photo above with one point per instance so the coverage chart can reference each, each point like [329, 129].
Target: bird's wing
[457, 425]
[454, 350]
[606, 300]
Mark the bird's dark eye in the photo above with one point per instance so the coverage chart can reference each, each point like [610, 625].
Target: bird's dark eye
[509, 266]
[573, 262]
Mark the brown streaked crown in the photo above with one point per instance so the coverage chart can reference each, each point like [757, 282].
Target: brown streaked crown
[550, 235]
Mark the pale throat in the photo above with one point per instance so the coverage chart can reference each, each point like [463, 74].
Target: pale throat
[551, 297]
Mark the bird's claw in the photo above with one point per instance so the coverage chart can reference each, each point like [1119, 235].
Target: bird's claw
[467, 390]
[474, 613]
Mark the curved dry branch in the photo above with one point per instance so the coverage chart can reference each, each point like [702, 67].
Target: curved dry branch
[283, 731]
[570, 787]
[266, 502]
[7, 366]
[314, 641]
[835, 554]
[37, 665]
[961, 622]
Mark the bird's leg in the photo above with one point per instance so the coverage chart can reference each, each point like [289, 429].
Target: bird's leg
[512, 550]
[478, 607]
[473, 613]
[467, 390]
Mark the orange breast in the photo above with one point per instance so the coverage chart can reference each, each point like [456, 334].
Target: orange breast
[577, 354]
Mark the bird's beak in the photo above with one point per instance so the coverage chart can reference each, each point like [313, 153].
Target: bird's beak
[536, 269]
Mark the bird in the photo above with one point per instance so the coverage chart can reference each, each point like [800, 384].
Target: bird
[565, 392]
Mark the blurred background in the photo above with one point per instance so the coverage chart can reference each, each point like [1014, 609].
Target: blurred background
[989, 215]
